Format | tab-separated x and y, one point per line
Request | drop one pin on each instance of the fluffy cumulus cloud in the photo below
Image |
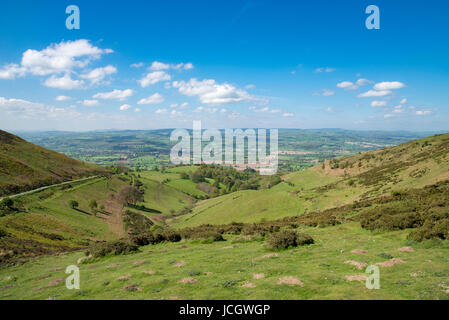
153	99
382	89
211	92
64	83
157	66
125	107
374	93
423	112
179	106
381	86
11	71
63	98
97	75
59	59
90	103
115	94
161	111
377	103
348	85
153	78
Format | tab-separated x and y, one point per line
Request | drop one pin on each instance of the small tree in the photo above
93	205
73	204
6	203
129	195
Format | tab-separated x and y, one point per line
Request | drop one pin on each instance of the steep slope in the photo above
335	183
25	166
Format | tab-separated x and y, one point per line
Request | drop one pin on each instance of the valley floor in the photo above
240	269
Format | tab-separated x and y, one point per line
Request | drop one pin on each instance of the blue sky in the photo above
163	64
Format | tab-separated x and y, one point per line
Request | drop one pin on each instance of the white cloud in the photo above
329	110
374	93
61	58
161	111
381	86
403	101
33	111
11	71
157	66
154	99
388	115
377	103
125	107
210	92
423	112
179	106
115	94
287	114
361	82
153	78
64	83
137	110
250	86
176	113
203	109
328	93
90	103
398	109
137	65
63	98
96	76
264	110
57	59
348	85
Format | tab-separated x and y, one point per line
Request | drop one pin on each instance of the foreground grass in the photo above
221	268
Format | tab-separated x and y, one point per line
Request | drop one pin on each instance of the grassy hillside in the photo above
245	269
25	166
338	182
44	223
387	208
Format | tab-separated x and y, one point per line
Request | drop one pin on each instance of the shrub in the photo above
6	203
3	233
303	239
171	236
73	204
286	239
112	248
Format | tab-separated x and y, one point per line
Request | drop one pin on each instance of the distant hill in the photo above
338	182
25	166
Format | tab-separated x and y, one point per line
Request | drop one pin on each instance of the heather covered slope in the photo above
25	166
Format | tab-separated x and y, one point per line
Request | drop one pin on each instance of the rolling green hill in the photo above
25	166
335	183
387	208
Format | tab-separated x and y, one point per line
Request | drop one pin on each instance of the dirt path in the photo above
115	220
46	187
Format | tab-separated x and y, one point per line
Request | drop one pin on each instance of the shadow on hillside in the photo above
143	208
